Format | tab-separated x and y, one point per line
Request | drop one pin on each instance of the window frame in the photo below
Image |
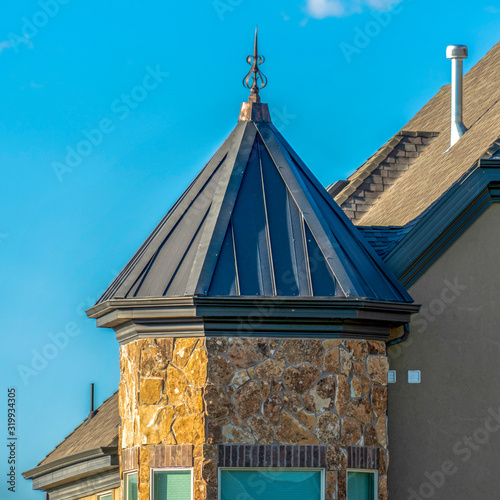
274	469
373	472
100	495
152	470
125	474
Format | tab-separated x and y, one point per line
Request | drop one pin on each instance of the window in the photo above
271	484
172	484
105	496
130	483
361	485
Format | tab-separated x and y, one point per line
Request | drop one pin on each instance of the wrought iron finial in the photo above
259	81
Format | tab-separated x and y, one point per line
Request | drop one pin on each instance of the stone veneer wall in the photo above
211	391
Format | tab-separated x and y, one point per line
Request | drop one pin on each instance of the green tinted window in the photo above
360	485
270	484
172	485
131	486
107	496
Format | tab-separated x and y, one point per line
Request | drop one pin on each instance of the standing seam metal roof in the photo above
256	222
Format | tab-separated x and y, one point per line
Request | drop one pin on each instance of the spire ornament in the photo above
259	80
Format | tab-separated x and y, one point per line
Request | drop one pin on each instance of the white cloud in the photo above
340	8
325	8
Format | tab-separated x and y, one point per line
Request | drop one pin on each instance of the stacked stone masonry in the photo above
327	393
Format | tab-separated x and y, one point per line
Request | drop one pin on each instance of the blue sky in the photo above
109	109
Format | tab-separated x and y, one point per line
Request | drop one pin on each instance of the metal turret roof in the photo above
256	222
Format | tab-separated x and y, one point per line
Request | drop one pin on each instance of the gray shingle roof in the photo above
384	238
256	222
100	432
435	168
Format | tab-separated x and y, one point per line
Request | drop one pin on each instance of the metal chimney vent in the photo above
457	53
93	412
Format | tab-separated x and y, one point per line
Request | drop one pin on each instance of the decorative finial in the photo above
259	81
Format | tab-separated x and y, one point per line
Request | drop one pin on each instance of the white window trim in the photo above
100	495
163	469
125	474
273	469
374	472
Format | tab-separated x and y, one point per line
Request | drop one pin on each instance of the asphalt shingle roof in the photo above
436	168
100	432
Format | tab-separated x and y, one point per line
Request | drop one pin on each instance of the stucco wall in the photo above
450	422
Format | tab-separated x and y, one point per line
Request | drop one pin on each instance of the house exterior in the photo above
431	211
258	322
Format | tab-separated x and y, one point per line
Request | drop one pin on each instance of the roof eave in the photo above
201	316
61	463
445	221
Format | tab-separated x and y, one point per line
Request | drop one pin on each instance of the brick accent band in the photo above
255	455
129	459
362	457
163	455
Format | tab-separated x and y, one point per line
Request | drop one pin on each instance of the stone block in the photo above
379	400
342	395
270	369
298	351
291	431
245	352
351	431
247	399
328	428
220	370
216	402
233	434
301	378
189	430
360	409
377	367
151	390
332	361
345	362
261	429
182	351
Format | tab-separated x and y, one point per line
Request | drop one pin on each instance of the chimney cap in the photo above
457	52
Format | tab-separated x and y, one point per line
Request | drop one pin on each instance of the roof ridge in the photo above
450	166
408	195
382	170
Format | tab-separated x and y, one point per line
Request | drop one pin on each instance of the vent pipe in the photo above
92	411
457	54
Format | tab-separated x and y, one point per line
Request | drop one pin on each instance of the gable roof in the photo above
256	222
435	168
